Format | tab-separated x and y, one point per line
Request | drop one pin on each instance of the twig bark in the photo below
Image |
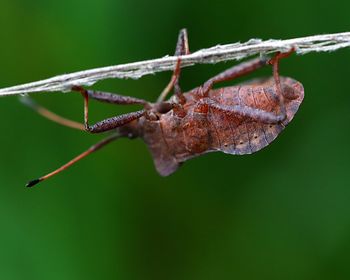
236	51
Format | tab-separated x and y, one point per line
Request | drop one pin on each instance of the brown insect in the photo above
236	120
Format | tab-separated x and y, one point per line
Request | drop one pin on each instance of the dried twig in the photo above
236	51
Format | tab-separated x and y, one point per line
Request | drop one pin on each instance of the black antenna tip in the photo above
33	183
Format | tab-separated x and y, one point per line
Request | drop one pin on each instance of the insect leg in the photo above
244	111
92	149
109	97
182	48
114	122
234	72
182	43
275	64
50	115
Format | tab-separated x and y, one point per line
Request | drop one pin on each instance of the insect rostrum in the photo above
239	119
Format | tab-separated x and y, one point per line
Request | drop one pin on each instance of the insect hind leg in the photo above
233	73
275	64
255	114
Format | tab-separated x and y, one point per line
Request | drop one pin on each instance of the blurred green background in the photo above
282	213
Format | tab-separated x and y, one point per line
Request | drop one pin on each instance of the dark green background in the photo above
282	213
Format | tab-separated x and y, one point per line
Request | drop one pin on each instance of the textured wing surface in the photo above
242	135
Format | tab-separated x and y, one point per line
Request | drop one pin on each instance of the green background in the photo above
282	213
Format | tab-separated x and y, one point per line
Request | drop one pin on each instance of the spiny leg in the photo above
114	122
275	64
244	111
92	149
234	72
182	48
50	115
110	123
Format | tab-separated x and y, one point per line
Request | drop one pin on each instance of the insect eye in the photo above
152	116
164	107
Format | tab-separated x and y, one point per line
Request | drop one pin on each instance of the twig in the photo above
236	51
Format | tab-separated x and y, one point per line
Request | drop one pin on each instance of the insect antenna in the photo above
92	149
29	102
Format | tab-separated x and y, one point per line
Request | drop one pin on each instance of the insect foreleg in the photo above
109	97
107	124
97	95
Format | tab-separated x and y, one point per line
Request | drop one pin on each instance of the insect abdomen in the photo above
241	135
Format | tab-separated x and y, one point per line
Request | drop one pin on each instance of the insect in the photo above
239	119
